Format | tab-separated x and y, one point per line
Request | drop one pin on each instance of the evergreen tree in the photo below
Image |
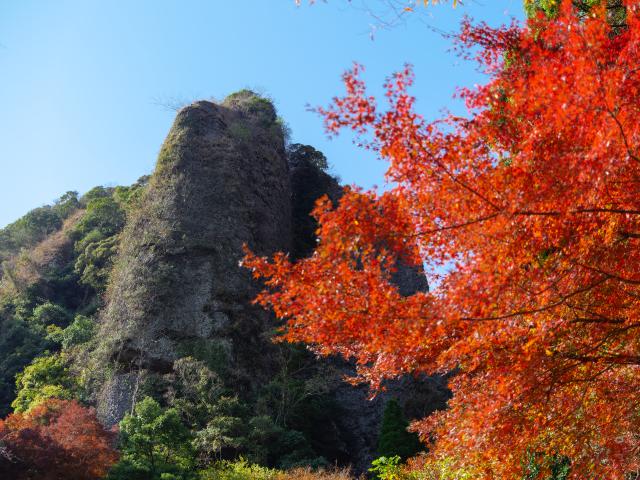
394	438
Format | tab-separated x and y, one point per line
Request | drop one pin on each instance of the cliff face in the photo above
221	181
224	179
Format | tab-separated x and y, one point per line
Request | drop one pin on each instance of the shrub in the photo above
239	470
51	314
80	331
154	442
387	468
242	470
47	377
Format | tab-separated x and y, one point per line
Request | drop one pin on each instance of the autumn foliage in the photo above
527	215
54	440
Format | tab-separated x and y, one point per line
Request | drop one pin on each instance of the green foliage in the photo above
51	314
103	215
297	399
155	444
81	330
66	205
212	353
309	182
307	154
94	194
129	197
253	103
548	7
196	391
387	468
46	377
394	439
95	262
20	343
239	470
221	433
270	444
284	129
53	274
558	467
29	230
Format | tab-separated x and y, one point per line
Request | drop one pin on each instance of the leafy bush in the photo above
95	262
239	470
80	331
387	468
66	205
154	442
546	467
104	215
46	377
51	314
28	230
242	470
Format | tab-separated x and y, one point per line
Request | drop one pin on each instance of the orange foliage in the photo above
57	439
528	214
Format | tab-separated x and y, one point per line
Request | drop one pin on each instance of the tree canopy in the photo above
526	212
57	439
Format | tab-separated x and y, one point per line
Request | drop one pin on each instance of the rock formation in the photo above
224	179
221	181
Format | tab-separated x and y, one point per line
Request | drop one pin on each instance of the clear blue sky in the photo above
82	79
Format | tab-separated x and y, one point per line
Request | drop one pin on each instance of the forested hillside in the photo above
132	300
55	267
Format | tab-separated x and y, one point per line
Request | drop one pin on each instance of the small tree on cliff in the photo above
155	444
531	207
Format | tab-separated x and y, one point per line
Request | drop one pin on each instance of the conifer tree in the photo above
394	438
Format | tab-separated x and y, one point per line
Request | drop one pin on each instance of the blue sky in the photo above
83	81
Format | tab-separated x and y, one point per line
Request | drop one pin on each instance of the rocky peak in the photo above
221	181
224	179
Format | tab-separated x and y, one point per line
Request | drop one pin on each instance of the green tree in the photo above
28	230
104	215
80	331
19	345
46	377
299	153
394	438
95	261
217	419
66	204
50	313
129	197
155	445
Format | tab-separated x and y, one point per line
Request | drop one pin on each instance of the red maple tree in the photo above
54	440
527	213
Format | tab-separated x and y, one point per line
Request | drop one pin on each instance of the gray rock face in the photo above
221	181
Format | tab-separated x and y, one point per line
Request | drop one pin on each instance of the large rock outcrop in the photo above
221	181
224	179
